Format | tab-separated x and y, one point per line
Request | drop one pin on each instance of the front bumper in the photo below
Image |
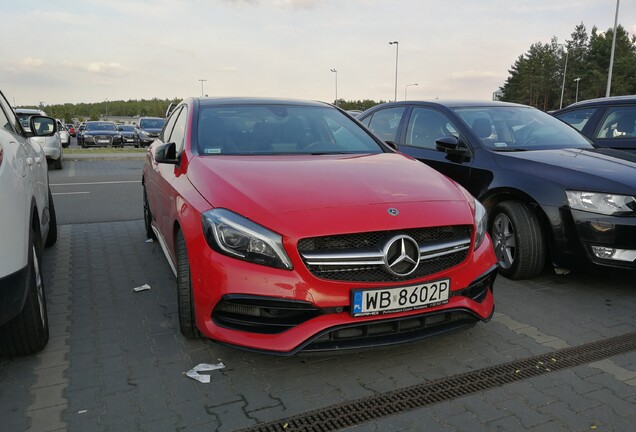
607	240
325	322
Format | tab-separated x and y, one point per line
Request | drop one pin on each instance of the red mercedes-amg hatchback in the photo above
290	227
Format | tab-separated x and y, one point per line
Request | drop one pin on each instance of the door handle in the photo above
29	161
38	160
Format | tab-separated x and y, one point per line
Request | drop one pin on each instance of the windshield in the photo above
501	128
102	126
126	128
280	129
151	123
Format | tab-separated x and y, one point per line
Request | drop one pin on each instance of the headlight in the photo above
87	136
233	235
481	223
143	132
602	203
480	216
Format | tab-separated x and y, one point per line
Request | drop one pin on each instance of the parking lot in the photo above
117	362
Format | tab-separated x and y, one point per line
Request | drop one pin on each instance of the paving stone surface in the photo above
116	360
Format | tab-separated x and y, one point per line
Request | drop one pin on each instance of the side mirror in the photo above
42	126
167	153
451	145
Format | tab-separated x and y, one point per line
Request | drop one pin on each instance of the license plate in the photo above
103	141
401	299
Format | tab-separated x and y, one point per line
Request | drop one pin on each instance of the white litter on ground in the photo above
203	367
149	241
144	287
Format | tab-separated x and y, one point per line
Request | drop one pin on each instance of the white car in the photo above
65	136
27	224
51	143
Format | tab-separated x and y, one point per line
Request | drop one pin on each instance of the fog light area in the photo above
608	253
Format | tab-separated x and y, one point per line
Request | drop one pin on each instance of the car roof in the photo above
456	103
28	111
257	101
603	101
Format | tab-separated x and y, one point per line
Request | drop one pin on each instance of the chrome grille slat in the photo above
360	256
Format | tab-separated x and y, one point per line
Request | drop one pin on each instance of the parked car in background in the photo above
129	134
51	143
101	134
550	195
314	234
79	131
28	224
608	122
65	136
149	128
71	129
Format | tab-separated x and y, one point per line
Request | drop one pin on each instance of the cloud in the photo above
55	17
226	69
473	74
297	4
109	69
31	63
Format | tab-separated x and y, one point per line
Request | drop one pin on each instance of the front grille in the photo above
360	257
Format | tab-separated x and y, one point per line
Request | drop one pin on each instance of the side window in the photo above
619	122
7	122
385	123
164	136
426	125
577	118
178	132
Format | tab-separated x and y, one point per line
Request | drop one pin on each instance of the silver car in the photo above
51	144
65	136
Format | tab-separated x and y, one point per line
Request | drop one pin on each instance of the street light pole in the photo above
336	72
397	47
202	81
406	87
611	65
565	70
576	99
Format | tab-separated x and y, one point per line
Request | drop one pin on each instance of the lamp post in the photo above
565	69
611	65
576	99
406	87
397	47
202	81
336	72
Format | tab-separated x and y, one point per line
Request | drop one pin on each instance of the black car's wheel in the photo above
185	304
148	218
51	238
28	332
517	239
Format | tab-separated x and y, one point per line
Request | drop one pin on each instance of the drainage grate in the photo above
360	411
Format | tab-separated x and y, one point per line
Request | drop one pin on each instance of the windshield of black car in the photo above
102	126
504	128
151	123
280	129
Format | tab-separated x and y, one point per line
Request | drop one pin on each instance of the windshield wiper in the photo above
507	149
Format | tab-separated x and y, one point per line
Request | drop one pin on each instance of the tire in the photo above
185	304
148	218
57	163
517	239
28	332
51	238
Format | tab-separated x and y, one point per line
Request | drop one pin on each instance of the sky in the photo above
59	51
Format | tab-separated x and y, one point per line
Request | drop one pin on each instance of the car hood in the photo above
586	169
297	189
151	130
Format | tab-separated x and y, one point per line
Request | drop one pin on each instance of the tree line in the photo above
536	78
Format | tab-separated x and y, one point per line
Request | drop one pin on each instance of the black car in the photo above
609	122
101	134
551	196
149	128
129	134
79	131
